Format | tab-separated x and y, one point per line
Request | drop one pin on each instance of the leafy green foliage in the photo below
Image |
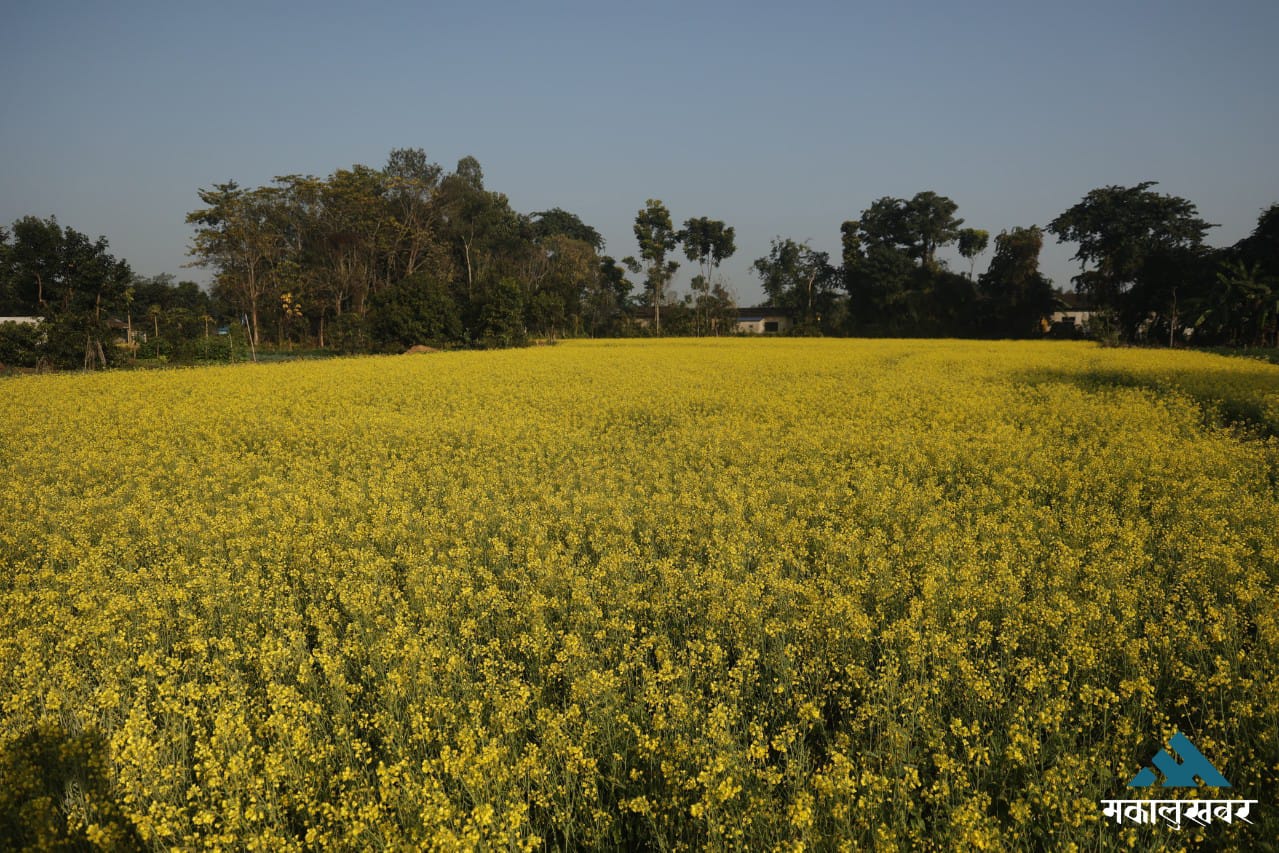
917	227
502	316
972	242
340	260
1244	306
1261	247
558	221
657	238
798	277
415	310
20	344
895	284
605	298
1117	228
237	236
932	223
328	262
73	282
1017	297
708	242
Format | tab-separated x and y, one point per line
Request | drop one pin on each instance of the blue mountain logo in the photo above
1180	774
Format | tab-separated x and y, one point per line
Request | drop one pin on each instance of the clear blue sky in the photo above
780	120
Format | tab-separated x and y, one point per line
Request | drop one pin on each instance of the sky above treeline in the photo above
780	120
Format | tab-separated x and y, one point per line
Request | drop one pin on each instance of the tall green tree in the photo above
567	268
708	242
489	241
7	296
35	260
917	227
796	276
417	309
932	224
605	298
1240	302
1016	297
557	221
894	281
972	242
412	184
1243	307
657	238
502	315
298	268
358	235
74	282
1116	228
237	236
1261	247
878	271
886	223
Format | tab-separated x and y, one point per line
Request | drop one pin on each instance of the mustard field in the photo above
730	594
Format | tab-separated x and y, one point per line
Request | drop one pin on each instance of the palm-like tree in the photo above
1245	301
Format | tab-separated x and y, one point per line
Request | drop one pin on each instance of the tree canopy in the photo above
1018	297
72	281
657	238
796	276
1116	228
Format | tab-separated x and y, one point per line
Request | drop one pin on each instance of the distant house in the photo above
749	321
642	317
126	334
1077	317
764	321
1071	323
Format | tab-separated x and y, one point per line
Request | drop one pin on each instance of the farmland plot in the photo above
774	594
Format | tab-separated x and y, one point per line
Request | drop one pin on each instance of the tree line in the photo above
368	260
87	300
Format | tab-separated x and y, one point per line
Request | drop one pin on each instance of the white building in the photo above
763	321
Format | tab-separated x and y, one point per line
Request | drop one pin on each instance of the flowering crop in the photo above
768	594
